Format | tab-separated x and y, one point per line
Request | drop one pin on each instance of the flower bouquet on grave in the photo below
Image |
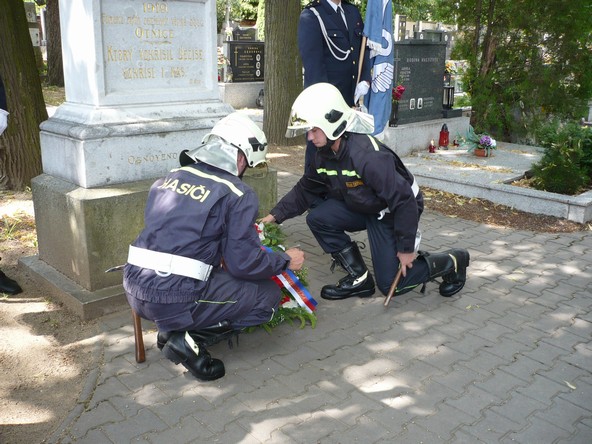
479	144
396	94
297	304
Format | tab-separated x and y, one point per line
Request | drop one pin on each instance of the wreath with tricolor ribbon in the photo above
297	303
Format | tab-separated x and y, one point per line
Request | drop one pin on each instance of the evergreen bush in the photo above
566	165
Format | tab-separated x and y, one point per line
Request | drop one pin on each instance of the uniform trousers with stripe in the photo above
243	303
330	219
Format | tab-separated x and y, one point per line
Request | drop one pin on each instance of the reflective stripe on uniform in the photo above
374	144
327	172
229	184
347	173
165	264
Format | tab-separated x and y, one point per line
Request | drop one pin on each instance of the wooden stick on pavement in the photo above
393	287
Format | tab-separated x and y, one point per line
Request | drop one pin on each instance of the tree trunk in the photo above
55	66
283	68
489	43
20	154
478	8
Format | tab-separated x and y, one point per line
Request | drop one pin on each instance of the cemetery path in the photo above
47	353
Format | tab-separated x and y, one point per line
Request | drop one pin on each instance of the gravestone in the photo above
141	86
244	34
246	61
437	35
245	69
419	67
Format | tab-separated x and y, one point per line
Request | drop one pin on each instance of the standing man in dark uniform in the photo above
356	183
198	269
330	42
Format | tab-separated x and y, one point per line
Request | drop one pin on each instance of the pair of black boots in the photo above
188	348
451	266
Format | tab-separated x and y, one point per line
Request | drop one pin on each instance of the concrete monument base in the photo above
240	94
412	137
83	303
83	232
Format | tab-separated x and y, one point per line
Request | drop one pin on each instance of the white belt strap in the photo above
165	264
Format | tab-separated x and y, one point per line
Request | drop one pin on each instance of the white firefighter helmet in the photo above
321	105
234	132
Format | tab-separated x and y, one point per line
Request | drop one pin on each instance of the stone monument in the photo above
246	61
419	67
141	86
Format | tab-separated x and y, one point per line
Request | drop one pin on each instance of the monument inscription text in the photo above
153	44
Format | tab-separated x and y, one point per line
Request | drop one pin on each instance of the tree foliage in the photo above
20	154
528	60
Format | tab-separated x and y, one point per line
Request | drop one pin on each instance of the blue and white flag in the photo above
378	29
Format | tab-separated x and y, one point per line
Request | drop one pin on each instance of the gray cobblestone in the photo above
490	427
505	360
537	431
144	422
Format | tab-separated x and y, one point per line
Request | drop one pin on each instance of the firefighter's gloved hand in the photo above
362	89
3	120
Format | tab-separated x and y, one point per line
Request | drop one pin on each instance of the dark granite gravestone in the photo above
419	67
246	61
437	35
244	34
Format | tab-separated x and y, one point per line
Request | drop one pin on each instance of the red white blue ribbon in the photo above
288	280
301	295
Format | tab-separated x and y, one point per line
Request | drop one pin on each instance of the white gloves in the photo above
362	89
3	120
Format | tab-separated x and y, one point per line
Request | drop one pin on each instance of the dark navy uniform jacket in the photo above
3	104
368	177
203	213
320	65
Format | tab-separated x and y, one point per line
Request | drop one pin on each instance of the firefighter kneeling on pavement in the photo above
197	270
356	183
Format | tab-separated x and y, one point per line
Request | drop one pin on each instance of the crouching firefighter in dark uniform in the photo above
357	183
197	269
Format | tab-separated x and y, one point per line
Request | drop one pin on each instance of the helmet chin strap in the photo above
327	146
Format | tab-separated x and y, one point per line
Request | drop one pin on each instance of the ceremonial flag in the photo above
378	29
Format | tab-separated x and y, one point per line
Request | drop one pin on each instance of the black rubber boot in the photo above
222	331
9	286
207	336
162	337
182	349
451	265
358	282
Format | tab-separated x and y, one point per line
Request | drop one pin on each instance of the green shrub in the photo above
566	165
462	101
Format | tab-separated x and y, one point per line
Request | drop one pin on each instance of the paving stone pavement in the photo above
507	360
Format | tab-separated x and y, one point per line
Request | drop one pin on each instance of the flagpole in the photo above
360	63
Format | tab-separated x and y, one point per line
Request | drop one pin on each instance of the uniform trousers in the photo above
330	219
243	303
